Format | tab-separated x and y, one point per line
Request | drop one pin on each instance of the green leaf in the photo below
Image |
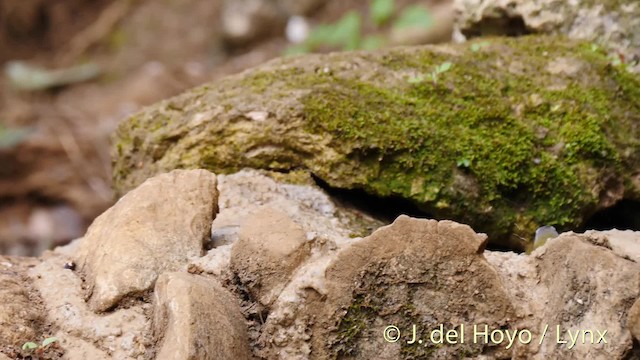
348	29
443	67
345	33
322	35
372	42
414	16
29	346
381	11
463	163
12	137
49	340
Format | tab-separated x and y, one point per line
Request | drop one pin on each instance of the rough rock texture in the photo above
196	318
427	273
269	247
338	300
633	321
611	23
83	334
365	121
578	283
155	228
21	312
413	272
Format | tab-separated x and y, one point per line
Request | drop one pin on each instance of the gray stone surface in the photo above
612	24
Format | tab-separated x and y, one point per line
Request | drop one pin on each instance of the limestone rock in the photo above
196	318
154	228
610	23
343	294
378	122
249	193
410	272
83	334
572	284
587	287
269	248
633	320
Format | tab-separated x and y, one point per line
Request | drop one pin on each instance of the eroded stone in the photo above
196	318
154	228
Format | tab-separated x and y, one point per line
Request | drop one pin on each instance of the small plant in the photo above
39	349
444	67
381	11
346	33
463	163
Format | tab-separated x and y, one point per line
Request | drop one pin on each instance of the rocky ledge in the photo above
191	265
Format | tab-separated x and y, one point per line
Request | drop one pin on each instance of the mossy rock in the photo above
519	132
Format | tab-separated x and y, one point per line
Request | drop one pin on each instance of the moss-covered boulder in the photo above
516	133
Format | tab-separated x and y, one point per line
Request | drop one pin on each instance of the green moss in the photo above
352	324
519	133
408	133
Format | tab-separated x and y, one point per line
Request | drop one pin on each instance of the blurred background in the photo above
72	69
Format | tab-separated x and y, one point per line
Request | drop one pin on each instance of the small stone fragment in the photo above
196	318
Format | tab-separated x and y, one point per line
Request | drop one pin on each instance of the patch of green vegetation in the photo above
414	16
469	121
381	11
359	315
442	68
347	32
39	349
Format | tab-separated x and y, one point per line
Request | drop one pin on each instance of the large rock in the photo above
518	133
413	272
428	273
155	228
611	23
339	298
196	318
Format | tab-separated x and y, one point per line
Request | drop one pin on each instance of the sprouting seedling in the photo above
31	346
433	75
475	47
463	163
445	66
